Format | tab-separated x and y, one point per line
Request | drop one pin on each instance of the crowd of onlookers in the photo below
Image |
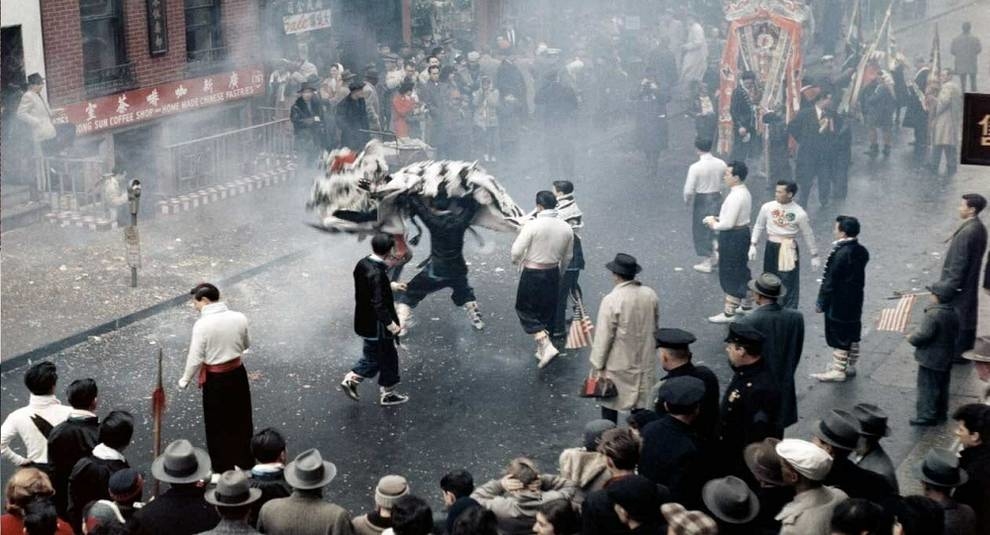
74	477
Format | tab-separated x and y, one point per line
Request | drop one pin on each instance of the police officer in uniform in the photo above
751	403
675	359
672	453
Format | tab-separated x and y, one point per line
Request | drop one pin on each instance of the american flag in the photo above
896	319
580	334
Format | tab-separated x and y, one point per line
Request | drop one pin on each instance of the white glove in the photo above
752	252
815	262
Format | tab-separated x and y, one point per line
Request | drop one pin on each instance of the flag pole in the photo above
157	409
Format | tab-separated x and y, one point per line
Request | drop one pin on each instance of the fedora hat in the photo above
181	463
35	79
839	429
941	469
309	471
306	87
731	500
233	490
980	351
763	461
872	420
768	285
624	265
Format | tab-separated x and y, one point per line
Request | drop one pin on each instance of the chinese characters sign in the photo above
149	103
157	32
305	22
976	130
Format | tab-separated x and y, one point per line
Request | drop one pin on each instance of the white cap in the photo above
473	56
805	458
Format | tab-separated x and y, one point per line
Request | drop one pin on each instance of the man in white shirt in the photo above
732	224
219	339
34	422
702	190
543	249
783	219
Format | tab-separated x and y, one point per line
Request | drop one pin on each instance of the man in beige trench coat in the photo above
625	346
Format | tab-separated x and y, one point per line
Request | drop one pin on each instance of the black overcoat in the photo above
782	347
961	268
374	305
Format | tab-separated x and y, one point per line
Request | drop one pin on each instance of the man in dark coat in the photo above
751	403
838	433
869	453
557	105
961	269
916	116
974	435
935	344
675	359
268	475
182	509
376	321
90	477
447	220
783	329
814	129
743	112
352	118
308	124
671	453
73	439
840	298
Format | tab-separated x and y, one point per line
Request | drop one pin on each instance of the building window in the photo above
204	44
104	56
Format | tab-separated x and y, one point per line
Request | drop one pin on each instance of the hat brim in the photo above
975	357
920	474
885	433
755	289
828	440
620	270
211	498
329	473
202	472
708	493
749	456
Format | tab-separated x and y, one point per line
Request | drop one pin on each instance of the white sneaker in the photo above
831	376
704	267
722	318
547	353
474	314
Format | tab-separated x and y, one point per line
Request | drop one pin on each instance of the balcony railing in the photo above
206	61
100	82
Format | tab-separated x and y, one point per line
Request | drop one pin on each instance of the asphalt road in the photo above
477	399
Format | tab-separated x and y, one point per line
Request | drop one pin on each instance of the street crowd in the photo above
690	456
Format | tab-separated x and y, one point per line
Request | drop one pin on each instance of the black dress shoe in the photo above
922	422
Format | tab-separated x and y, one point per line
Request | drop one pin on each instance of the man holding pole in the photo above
219	340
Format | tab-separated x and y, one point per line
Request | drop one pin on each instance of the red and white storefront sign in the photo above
148	103
305	22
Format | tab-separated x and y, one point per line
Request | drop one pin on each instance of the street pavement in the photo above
477	399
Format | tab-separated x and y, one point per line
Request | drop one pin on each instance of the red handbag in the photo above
598	386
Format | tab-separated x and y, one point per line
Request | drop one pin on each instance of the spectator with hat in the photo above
637	504
232	497
305	512
764	464
90	477
732	504
389	489
621	448
783	331
672	453
805	467
126	490
869	454
308	124
182	509
351	117
751	403
973	425
980	356
935	346
939	474
676	360
625	339
680	521
585	465
838	434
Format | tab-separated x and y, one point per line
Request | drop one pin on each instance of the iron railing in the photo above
70	183
100	82
216	159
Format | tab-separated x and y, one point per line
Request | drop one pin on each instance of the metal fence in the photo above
222	157
71	183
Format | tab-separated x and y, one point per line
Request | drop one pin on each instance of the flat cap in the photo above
740	332
683	390
805	458
674	338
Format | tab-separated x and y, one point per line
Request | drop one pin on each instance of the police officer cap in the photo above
683	390
674	338
740	332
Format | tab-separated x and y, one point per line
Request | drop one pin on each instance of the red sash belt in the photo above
223	367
